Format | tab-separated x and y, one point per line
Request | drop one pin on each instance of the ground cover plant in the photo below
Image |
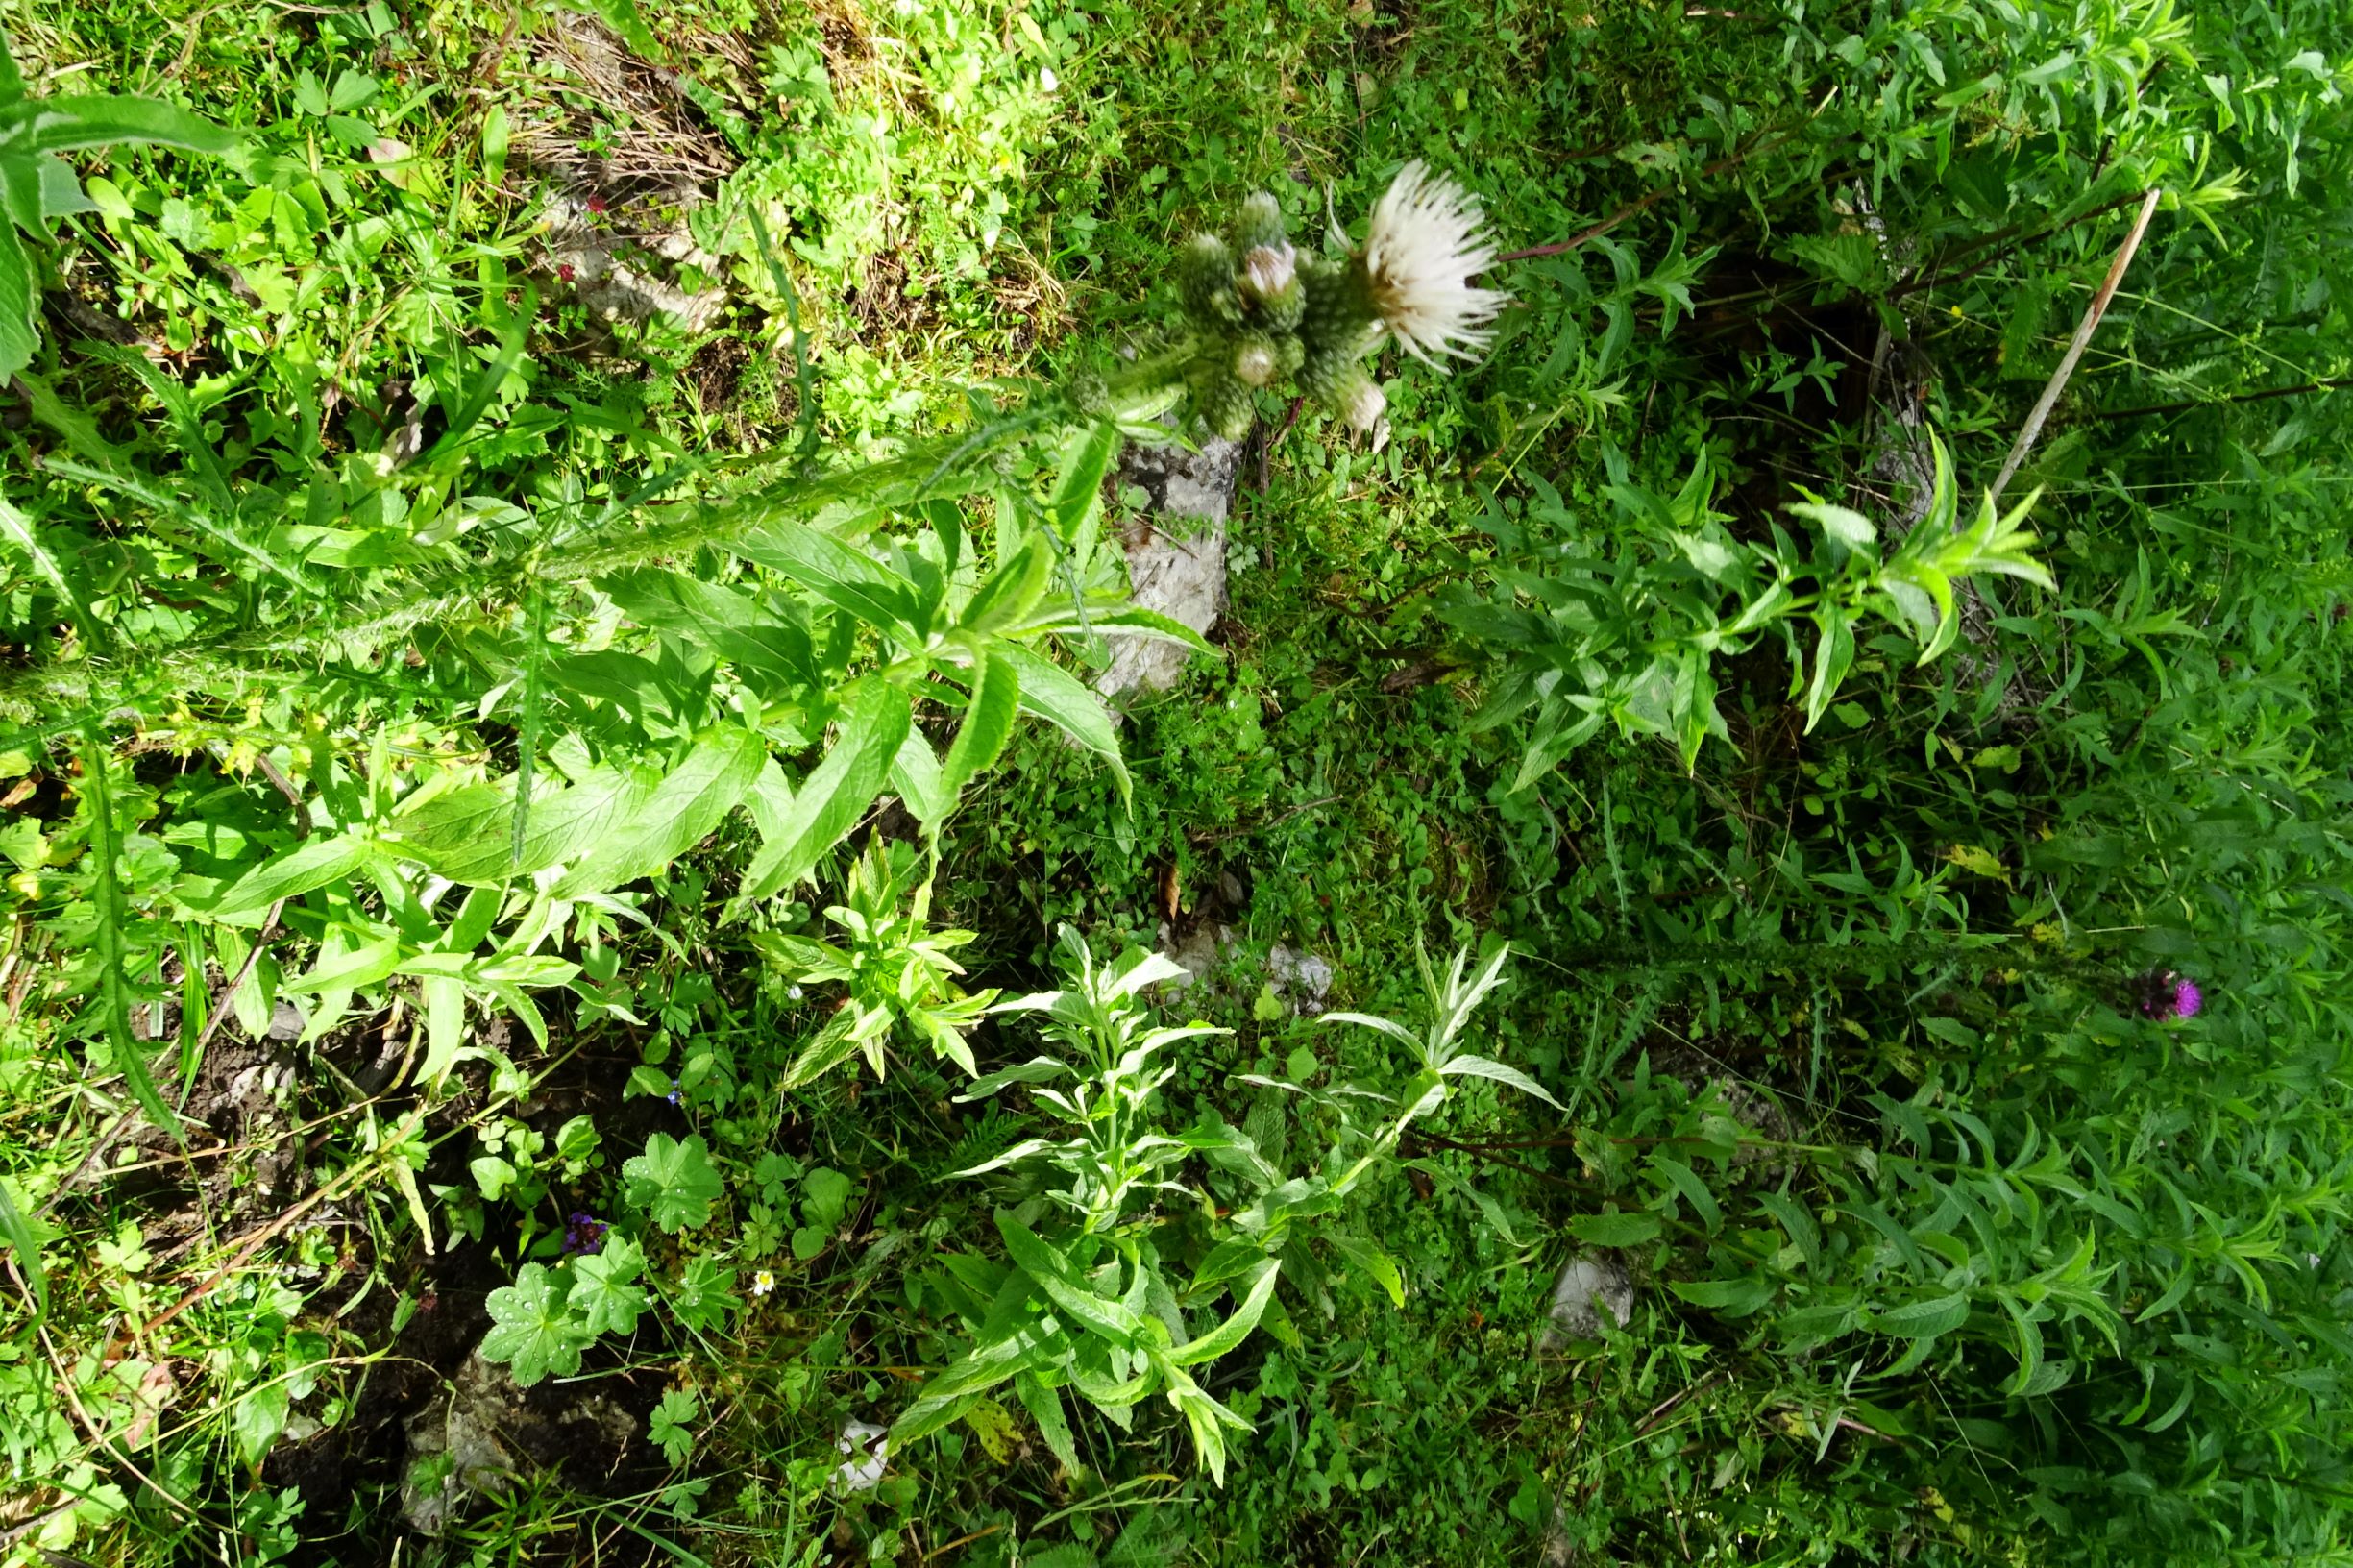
1728	952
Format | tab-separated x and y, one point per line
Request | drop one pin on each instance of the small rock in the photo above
285	1021
1176	561
1306	977
1588	1286
1200	955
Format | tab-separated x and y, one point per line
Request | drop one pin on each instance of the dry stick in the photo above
2334	385
2057	383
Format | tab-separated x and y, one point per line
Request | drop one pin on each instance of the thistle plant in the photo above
1261	311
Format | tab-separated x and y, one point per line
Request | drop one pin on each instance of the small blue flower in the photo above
675	1095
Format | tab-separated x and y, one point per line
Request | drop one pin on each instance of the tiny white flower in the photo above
1047	80
1429	240
762	1283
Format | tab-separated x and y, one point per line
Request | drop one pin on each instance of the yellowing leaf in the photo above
1980	861
993	1426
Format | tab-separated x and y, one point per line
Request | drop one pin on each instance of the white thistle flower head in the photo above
1254	363
1365	407
1267	270
1429	240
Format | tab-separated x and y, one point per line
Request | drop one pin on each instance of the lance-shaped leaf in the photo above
835	795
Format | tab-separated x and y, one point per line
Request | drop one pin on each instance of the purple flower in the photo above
2187	998
584	1232
675	1094
2161	993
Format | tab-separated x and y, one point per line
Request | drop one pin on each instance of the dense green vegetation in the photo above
583	948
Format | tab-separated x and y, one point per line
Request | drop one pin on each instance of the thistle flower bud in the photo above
1261	224
1339	383
1255	361
1268	270
1224	408
1204	270
1337	316
1091	394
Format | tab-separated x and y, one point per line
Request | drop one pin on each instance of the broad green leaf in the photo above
1920	1319
1849	530
1388	1027
1620	1230
988	723
670	1427
465	834
1230	1333
987	1365
55	124
114	983
368	965
673	1183
730	624
14	524
311	864
531	1329
1832	659
835	573
604	1291
1044	1406
18	340
915	773
1064	700
258	1419
836	795
1053	1274
1733	1298
445	1030
1077	502
679	814
1372	1261
19	1236
1686	1182
1011	592
1480	1066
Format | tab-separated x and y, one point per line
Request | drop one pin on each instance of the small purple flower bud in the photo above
2187	998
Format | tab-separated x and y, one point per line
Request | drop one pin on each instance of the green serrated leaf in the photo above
673	1183
531	1329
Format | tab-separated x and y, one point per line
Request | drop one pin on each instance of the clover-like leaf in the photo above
672	1183
604	1295
532	1329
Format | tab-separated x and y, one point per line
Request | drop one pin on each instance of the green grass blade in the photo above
18	1234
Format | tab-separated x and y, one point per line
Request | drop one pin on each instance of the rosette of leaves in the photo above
895	969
